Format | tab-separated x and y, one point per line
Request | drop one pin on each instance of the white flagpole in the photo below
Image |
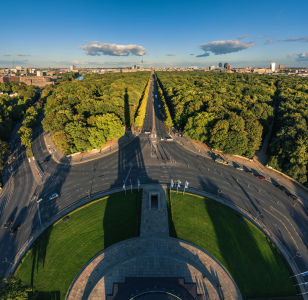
124	187
131	186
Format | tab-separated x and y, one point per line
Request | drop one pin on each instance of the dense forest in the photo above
82	115
289	143
12	111
230	112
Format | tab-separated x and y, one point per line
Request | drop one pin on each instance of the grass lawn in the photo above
254	262
54	260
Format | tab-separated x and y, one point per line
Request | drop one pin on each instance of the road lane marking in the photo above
291	225
128	174
284	227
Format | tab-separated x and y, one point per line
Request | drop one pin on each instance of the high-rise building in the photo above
281	67
273	66
72	68
220	65
226	65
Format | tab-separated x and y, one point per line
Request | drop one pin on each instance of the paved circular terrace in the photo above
153	257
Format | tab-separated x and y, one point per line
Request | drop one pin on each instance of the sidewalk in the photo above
79	158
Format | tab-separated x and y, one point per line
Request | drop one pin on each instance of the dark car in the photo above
8	224
260	177
282	188
47	158
14	229
249	172
275	184
294	197
288	193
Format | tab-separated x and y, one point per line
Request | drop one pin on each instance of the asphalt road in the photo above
151	159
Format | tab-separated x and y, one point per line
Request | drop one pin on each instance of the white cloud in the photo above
6	55
243	36
99	48
290	55
224	47
17	54
171	54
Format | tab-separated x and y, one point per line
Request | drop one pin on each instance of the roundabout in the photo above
153	162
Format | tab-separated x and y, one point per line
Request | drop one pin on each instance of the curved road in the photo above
151	159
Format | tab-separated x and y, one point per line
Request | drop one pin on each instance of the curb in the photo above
23	249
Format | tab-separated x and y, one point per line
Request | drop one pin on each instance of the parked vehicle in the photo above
260	177
239	168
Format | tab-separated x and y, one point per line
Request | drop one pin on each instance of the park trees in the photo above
230	112
82	115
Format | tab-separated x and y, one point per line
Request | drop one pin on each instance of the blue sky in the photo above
165	33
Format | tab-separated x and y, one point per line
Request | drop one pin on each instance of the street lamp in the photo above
6	260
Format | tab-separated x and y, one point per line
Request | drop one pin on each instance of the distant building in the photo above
229	67
281	67
41	73
72	68
220	65
273	66
226	65
212	68
18	68
9	79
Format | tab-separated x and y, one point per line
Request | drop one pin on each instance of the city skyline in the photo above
172	34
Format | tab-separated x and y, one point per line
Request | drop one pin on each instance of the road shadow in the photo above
127	114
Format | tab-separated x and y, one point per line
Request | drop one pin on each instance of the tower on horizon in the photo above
273	66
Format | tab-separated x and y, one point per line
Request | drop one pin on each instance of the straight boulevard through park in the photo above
150	157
